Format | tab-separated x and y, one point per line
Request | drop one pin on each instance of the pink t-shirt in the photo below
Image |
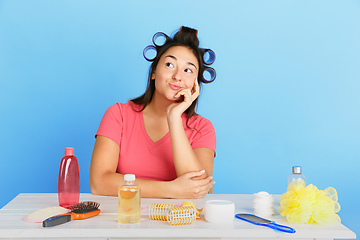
141	156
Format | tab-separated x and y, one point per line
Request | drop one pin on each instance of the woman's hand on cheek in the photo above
185	97
196	90
186	186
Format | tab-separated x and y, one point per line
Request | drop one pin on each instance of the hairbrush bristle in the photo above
84	207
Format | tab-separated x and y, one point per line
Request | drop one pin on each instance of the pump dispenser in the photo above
296	175
69	180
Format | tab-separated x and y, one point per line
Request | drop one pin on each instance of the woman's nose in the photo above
177	75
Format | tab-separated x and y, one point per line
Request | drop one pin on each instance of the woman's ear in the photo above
153	75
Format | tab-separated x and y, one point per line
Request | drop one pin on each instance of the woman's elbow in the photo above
94	188
102	185
97	185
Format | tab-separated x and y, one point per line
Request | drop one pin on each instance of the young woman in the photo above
158	136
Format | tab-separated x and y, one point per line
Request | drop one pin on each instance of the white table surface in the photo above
105	225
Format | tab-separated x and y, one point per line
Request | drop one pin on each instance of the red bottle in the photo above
69	179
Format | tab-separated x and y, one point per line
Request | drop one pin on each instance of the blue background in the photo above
286	93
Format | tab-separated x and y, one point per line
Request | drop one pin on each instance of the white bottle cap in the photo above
296	169
219	211
129	177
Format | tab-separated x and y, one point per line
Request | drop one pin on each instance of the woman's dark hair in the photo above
186	37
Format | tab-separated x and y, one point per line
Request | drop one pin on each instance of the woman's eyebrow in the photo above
173	57
190	63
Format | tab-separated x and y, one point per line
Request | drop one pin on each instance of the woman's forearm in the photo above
185	159
108	185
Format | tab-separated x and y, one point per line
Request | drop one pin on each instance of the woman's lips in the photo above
174	86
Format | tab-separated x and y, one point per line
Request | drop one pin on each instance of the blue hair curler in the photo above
150	53
209	75
159	39
209	57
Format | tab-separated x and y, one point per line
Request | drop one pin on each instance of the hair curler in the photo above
159	39
150	53
209	56
172	214
209	75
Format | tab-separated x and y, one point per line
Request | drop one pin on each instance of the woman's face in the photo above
177	69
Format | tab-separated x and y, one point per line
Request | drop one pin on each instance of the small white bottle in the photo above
296	175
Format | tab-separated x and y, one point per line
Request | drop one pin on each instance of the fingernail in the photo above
202	171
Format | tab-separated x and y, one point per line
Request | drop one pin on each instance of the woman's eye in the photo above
188	70
169	64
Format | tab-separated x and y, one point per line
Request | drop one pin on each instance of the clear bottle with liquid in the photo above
296	175
129	201
69	180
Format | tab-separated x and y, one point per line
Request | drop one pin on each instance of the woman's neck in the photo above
158	106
